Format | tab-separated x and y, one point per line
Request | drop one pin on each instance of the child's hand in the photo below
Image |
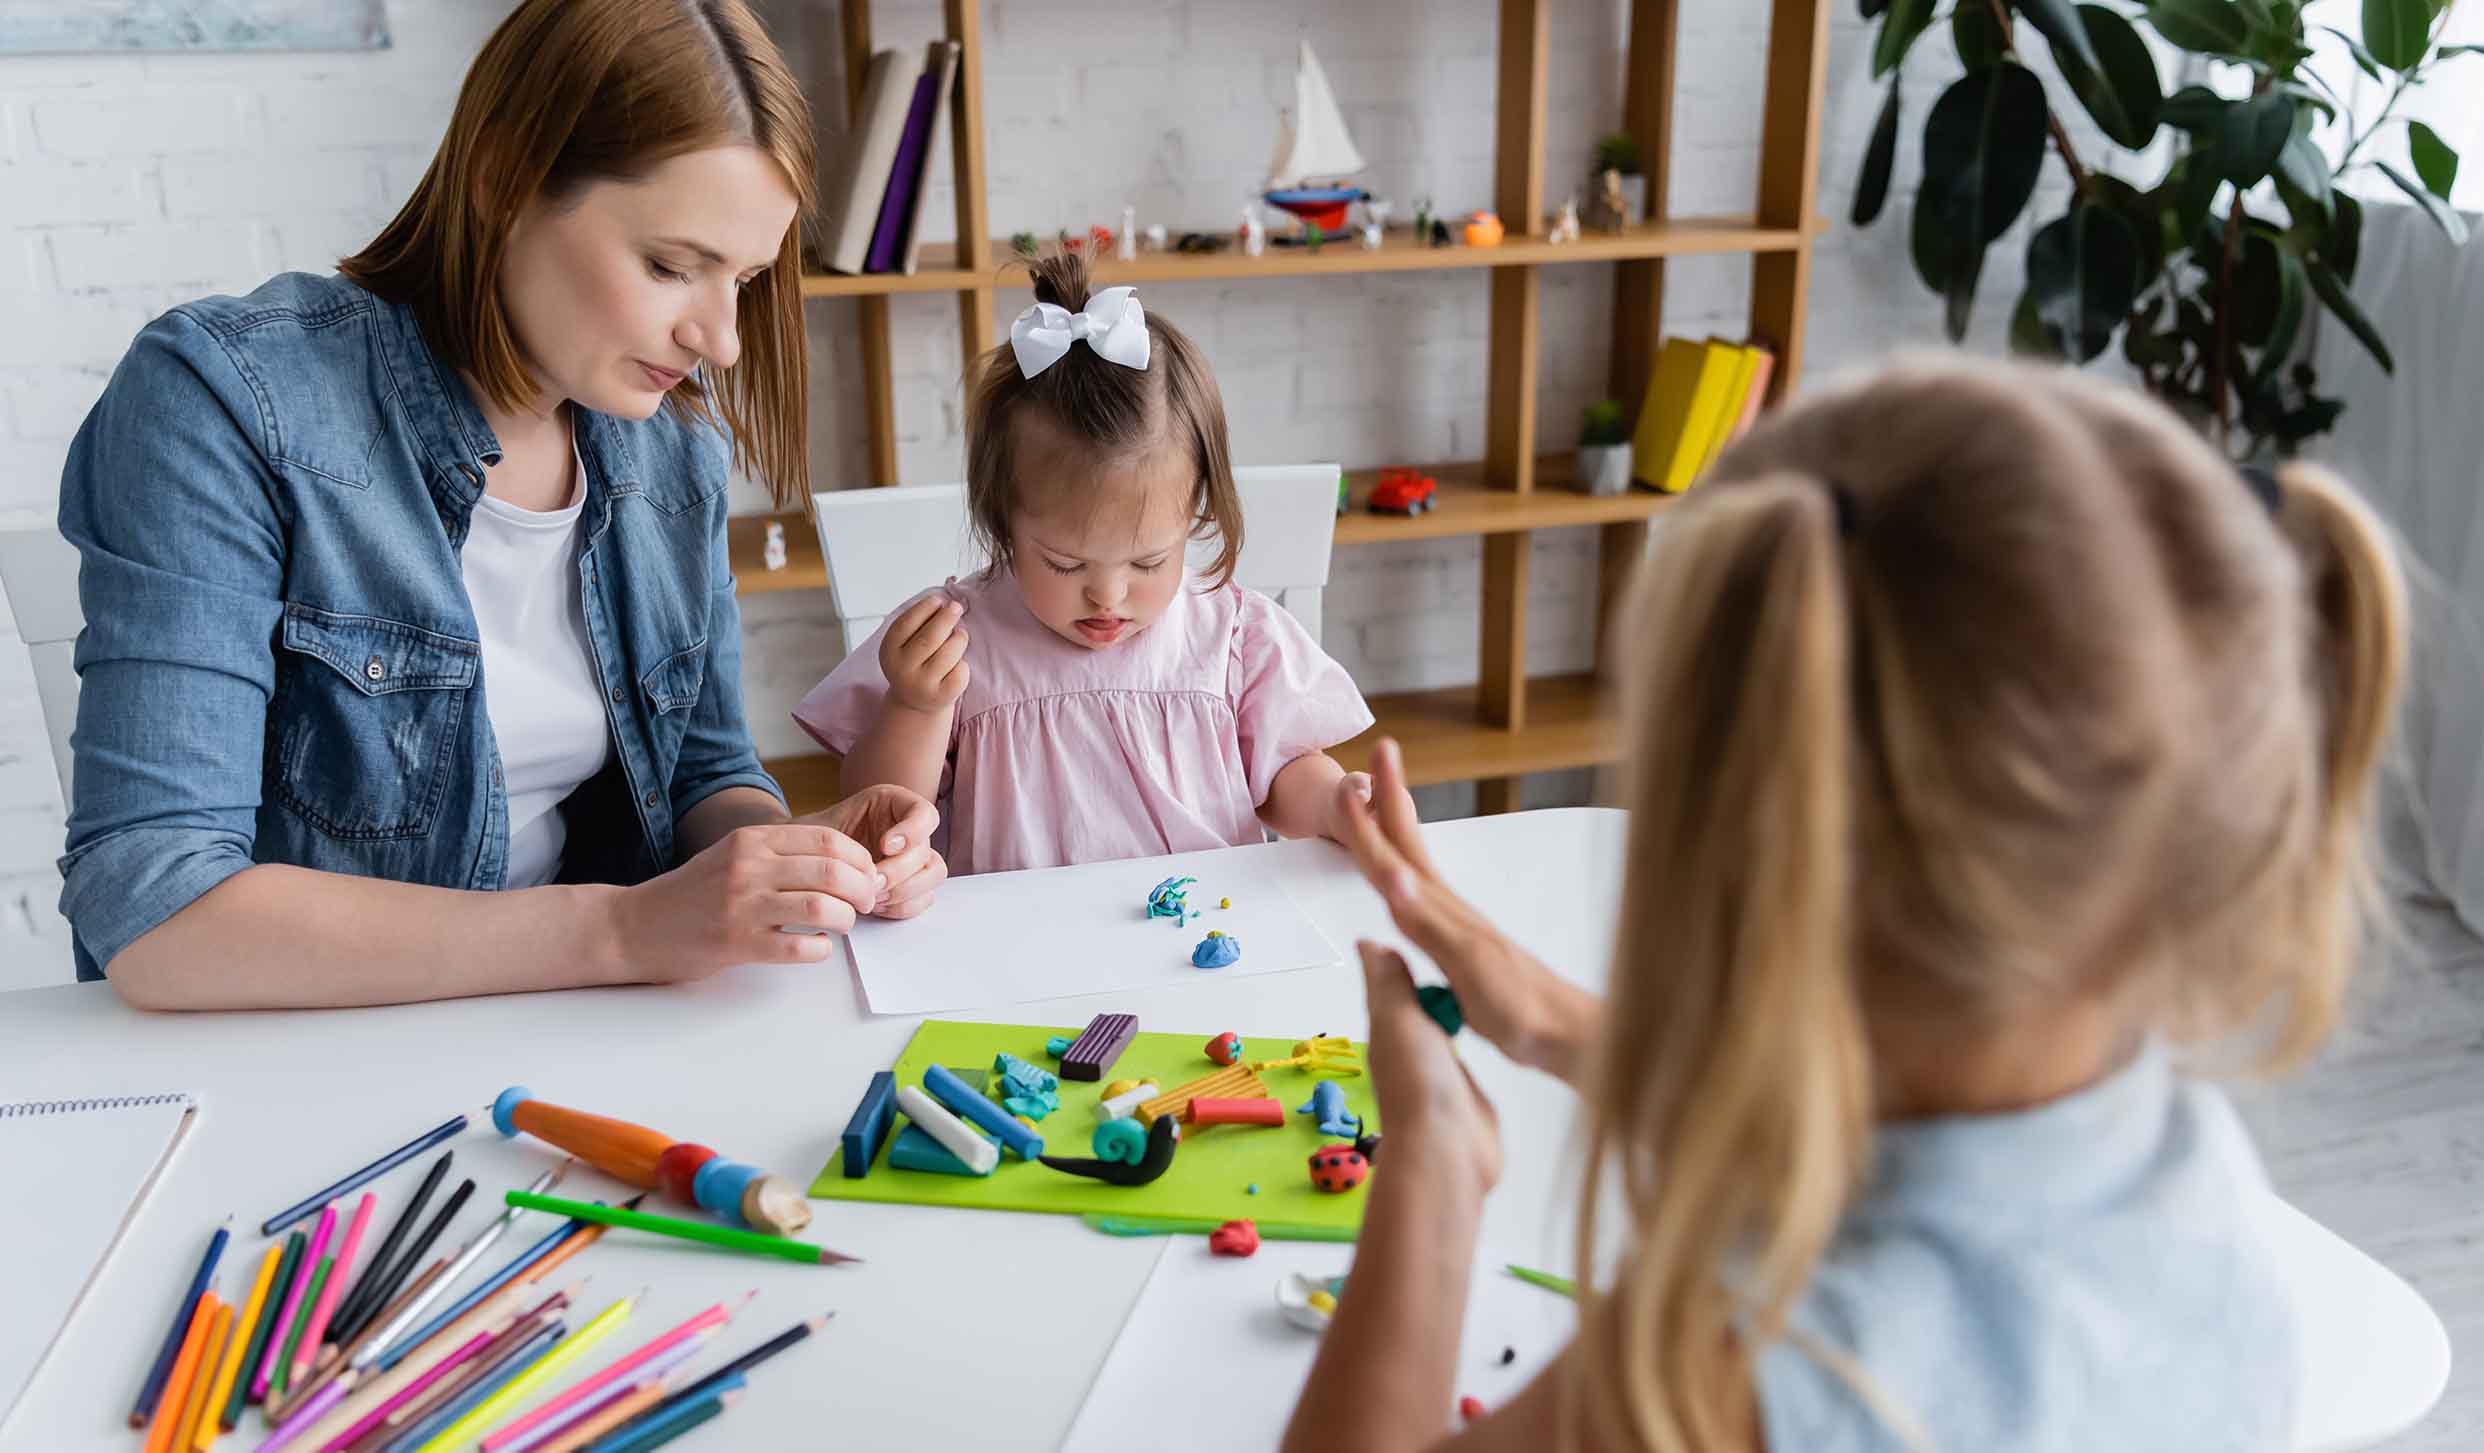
923	655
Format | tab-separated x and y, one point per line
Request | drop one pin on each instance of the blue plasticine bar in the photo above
915	1150
869	1126
953	1092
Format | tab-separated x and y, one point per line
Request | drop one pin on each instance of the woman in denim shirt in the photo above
311	518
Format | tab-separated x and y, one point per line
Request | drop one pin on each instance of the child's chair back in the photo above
883	546
39	571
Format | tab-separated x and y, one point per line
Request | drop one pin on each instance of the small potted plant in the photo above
1604	449
1617	152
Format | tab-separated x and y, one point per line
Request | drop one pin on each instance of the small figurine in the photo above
1023	244
1127	248
1100	237
1406	492
1440	233
1328	1108
1216	951
1483	229
1422	219
1157	1160
1312	237
1225	1048
1334	1168
1613	209
1234	1238
1565	221
773	554
1254	233
1156	236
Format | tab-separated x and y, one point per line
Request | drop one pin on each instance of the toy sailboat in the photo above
1312	143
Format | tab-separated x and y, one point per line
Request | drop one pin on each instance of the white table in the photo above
963	1328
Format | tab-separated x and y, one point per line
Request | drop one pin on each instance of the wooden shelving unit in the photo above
1506	724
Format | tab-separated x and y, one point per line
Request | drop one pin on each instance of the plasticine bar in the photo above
1095	1049
979	1154
869	1126
955	1093
913	1150
1126	1103
1205	1111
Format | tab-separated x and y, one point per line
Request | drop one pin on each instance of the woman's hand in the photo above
1429	1105
1508	996
727	905
896	824
924	655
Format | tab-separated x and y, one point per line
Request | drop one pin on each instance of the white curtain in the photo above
2415	444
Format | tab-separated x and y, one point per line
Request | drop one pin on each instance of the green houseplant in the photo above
1618	151
1604	449
2206	273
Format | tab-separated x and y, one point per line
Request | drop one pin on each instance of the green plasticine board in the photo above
1209	1171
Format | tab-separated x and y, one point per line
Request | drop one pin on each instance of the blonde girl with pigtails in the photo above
1999	764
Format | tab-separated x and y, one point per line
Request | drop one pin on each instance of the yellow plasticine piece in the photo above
1327	1055
1321	1301
1119	1088
1234	1083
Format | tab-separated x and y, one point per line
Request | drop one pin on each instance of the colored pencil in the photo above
1546	1280
412	1315
387	1291
373	1386
658	1372
541	1371
728	1237
467	1398
236	1342
653	1348
518	1266
317	1332
440	1371
598	1421
357	1179
152	1390
1115	1224
251	1331
521	1340
203	1380
375	1275
746	1361
176	1390
332	1360
272	1358
659	1428
286	1362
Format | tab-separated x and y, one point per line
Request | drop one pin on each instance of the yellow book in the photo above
1729	403
1680	410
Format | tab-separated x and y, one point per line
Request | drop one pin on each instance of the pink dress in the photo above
1165	743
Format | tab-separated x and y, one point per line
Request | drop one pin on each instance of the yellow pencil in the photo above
236	1350
546	1367
195	1401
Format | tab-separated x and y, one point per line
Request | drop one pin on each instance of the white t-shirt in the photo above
539	683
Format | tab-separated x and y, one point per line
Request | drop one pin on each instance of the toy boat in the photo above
1312	142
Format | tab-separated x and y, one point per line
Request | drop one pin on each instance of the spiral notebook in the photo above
101	1158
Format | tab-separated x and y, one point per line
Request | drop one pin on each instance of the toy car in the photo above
1402	492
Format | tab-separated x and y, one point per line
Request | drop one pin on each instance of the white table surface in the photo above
962	1328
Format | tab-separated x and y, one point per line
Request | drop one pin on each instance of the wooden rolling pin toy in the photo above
691	1174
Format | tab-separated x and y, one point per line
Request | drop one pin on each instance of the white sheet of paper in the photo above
1046	933
1204	1311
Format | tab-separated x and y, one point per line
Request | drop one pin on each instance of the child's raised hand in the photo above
924	655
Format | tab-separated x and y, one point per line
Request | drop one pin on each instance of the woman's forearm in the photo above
1387	1369
276	936
718	813
904	747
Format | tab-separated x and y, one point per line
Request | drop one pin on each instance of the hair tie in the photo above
1113	325
1847	513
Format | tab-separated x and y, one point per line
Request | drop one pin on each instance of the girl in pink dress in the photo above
1089	696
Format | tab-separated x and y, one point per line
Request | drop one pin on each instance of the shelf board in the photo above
1464	506
1680	237
1572	721
747	535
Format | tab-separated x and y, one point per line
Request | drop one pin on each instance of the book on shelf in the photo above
901	200
851	203
943	60
1703	395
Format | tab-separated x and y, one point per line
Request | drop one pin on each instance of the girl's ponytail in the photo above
1750	1104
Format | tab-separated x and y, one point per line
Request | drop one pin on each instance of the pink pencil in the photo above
655	1370
714	1316
317	1332
293	1303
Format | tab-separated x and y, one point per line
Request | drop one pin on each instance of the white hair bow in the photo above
1113	325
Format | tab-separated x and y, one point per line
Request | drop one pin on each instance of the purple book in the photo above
888	235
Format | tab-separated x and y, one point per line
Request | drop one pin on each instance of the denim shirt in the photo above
280	663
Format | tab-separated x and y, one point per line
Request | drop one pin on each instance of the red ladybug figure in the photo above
1226	1048
1336	1168
1235	1238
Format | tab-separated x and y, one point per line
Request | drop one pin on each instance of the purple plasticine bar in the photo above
1102	1042
869	1126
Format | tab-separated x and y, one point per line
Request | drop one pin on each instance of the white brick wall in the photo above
128	183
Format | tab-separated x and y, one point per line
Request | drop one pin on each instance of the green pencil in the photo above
1117	1225
724	1236
310	1298
259	1331
1546	1280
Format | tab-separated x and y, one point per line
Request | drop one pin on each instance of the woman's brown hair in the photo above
1105	408
568	92
1961	694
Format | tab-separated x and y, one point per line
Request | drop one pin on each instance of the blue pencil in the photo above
658	1426
457	1407
153	1390
371	1172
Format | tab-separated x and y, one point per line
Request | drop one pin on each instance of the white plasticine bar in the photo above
1125	1104
980	1155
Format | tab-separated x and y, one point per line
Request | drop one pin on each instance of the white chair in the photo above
39	571
883	546
2371	1356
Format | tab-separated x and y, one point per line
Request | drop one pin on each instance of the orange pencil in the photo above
610	1416
203	1380
220	1386
168	1409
